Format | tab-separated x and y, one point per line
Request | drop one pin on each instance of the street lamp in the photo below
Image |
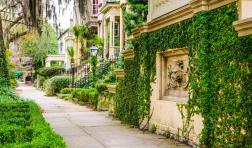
72	68
94	50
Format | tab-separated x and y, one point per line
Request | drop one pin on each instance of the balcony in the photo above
161	7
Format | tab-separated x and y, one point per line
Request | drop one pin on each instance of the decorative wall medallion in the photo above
177	76
172	72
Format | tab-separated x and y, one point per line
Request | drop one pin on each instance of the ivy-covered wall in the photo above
220	76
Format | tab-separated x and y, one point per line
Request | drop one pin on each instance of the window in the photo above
95	7
117	34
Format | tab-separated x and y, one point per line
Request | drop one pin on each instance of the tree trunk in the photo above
4	73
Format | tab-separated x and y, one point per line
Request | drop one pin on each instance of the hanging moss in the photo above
220	76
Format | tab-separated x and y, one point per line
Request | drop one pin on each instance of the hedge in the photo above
67	90
22	124
55	84
49	72
86	95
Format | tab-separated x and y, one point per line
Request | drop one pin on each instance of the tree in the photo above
70	52
13	12
39	46
135	15
81	32
29	14
97	41
4	75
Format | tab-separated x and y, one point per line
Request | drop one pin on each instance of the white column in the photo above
245	9
150	9
111	37
105	31
121	31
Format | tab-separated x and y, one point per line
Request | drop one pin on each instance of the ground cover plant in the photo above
22	124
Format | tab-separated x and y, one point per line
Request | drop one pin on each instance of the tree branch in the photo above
17	36
14	23
10	6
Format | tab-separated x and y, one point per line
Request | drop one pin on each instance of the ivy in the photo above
219	79
125	103
4	70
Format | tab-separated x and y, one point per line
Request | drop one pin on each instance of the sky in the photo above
64	13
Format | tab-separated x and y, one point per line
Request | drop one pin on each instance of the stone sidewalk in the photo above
84	128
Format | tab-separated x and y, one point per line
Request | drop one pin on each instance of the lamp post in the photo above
72	68
94	52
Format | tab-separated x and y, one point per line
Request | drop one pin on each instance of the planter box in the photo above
119	73
112	88
128	54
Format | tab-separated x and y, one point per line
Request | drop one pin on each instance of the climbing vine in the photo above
219	79
4	72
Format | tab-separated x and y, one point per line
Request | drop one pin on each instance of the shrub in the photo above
65	96
76	92
83	95
86	95
93	97
6	94
40	81
110	77
67	90
56	83
49	72
101	87
153	128
13	81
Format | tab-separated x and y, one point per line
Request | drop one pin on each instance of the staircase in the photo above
86	76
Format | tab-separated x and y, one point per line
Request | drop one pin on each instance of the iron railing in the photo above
82	75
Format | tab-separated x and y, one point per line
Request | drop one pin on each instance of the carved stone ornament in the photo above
177	76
